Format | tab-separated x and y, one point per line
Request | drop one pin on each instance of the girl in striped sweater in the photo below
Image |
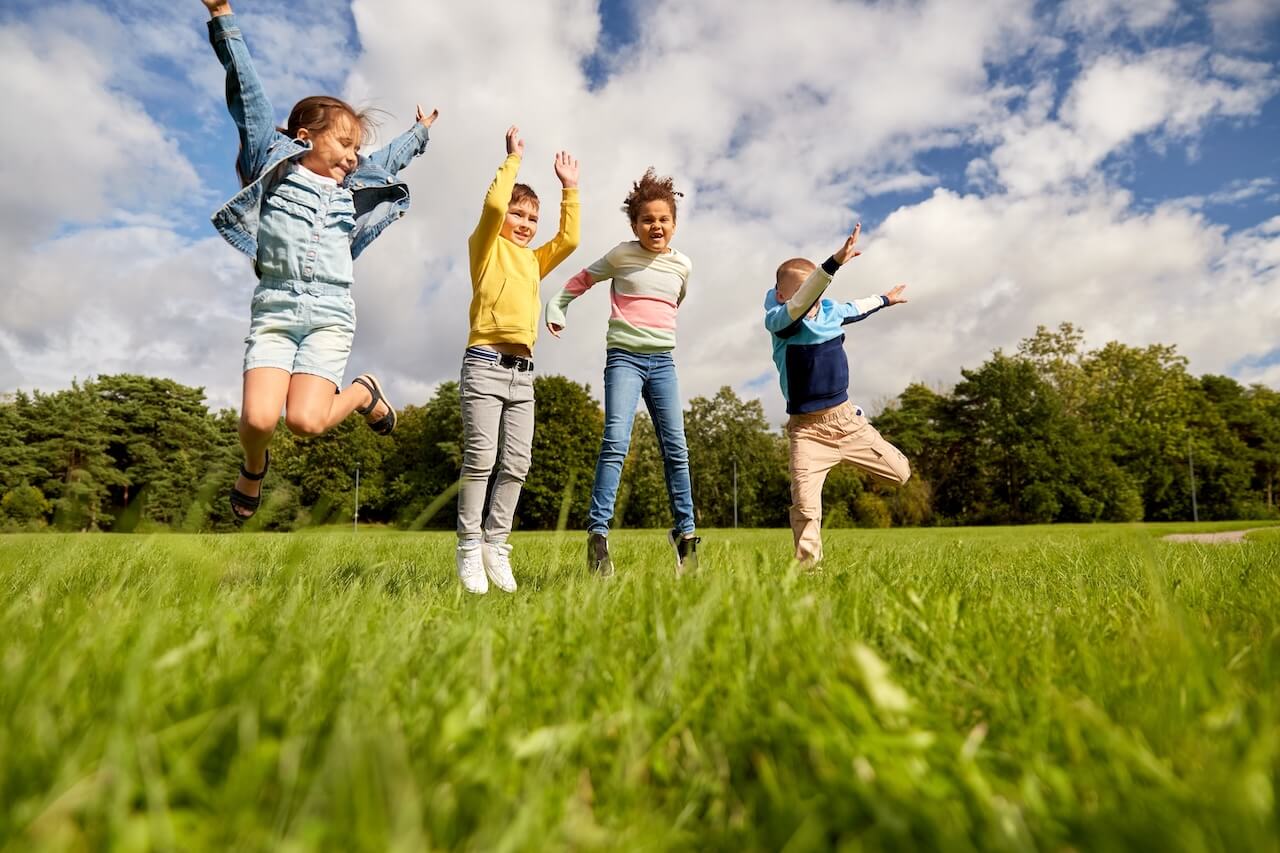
649	281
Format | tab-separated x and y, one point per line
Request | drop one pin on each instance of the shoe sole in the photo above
499	584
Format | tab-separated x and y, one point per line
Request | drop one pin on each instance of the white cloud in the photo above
1172	92
126	300
779	127
1102	17
1241	24
76	148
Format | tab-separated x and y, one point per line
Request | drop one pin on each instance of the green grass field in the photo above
1065	688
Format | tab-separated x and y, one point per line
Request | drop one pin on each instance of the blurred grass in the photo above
1083	688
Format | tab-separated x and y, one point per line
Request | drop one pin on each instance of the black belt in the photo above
513	362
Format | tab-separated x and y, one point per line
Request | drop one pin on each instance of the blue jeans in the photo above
627	377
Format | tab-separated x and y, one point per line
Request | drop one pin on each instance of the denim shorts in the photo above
301	327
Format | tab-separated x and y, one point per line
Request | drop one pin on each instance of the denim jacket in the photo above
265	152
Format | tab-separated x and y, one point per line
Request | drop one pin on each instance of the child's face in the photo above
654	225
333	150
521	223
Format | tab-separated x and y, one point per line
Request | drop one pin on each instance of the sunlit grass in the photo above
1001	688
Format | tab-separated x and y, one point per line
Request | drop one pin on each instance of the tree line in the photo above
1049	433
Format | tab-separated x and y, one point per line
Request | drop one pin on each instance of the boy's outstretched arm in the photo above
399	152
246	99
554	251
861	309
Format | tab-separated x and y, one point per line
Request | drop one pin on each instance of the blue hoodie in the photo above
809	351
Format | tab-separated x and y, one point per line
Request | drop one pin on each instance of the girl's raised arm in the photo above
399	152
246	100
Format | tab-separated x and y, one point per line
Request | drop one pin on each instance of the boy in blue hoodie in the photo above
824	429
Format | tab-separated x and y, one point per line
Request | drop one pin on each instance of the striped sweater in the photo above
646	291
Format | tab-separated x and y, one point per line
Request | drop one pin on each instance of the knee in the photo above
801	513
304	424
902	469
258	423
614	447
676	454
513	474
478	462
514	467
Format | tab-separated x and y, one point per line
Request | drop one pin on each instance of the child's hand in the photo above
566	169
515	145
848	252
217	7
427	120
895	296
555	329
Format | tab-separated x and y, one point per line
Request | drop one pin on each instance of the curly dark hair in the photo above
650	188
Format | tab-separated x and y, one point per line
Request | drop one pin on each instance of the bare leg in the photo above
263	398
313	408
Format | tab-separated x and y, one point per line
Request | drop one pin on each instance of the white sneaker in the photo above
497	565
471	568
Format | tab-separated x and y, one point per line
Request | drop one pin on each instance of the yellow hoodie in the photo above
505	305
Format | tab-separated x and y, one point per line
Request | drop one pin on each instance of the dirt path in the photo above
1211	538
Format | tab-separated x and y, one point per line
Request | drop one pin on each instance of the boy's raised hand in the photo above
895	296
849	250
566	169
217	7
427	120
515	145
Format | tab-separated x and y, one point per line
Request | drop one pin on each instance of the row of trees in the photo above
1049	433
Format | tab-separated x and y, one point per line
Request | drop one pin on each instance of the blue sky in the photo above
1015	163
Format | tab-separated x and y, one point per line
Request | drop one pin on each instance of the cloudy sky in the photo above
1114	163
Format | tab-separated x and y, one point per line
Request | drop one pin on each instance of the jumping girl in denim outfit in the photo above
310	205
650	280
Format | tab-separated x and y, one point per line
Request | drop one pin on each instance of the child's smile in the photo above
654	225
521	223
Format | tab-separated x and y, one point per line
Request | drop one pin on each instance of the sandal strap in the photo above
243	501
385	424
249	475
375	394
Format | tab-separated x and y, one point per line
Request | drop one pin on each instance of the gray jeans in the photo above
497	430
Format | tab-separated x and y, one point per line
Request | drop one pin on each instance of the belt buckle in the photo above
515	362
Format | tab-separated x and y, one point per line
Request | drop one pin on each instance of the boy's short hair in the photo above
523	192
803	266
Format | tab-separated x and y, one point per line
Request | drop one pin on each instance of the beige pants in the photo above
818	443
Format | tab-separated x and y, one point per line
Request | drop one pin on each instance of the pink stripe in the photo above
579	284
644	312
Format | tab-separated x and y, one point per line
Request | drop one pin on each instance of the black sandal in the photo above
385	424
239	500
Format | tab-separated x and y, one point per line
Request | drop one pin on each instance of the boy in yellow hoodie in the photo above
497	369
